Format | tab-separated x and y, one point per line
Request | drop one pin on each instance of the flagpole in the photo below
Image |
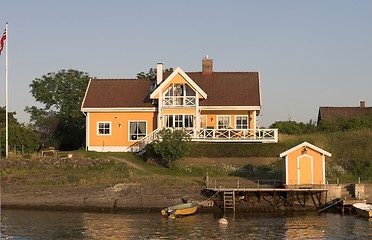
6	95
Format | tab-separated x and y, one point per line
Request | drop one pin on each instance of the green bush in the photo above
292	127
171	144
346	124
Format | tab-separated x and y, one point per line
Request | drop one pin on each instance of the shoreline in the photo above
120	198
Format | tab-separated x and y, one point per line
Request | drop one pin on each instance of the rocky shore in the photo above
120	197
18	190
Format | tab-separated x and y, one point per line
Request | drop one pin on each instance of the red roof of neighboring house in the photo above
222	88
334	113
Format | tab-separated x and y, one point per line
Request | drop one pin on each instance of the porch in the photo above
216	135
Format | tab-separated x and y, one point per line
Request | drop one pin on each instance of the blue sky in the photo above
308	53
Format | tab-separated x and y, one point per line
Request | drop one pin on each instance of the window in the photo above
189	121
178	121
137	130
179	95
241	122
223	121
104	128
168	121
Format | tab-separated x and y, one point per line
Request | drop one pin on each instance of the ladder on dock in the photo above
229	200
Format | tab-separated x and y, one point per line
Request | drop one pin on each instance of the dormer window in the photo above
179	95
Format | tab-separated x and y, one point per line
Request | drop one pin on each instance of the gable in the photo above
305	145
178	76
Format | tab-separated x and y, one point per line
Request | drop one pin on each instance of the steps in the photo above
347	191
229	200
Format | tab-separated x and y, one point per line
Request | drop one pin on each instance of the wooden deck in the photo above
275	198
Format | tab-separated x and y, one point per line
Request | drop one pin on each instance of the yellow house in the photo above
304	166
126	114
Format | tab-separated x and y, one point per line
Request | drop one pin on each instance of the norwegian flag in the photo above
3	38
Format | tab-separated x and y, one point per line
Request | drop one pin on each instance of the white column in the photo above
197	115
160	103
87	128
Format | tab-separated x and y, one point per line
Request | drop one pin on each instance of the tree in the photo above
60	122
11	118
292	127
19	135
171	144
152	73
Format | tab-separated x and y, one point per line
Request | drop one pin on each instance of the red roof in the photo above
334	113
222	88
229	88
117	93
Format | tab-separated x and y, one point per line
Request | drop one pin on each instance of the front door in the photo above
305	170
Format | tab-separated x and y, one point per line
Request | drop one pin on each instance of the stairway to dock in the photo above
229	200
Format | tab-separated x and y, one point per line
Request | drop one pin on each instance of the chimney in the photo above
207	65
159	73
362	104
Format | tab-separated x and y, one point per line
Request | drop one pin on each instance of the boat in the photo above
363	209
180	210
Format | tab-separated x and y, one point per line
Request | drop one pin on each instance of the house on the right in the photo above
304	166
332	114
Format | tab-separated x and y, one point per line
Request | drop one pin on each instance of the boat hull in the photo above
363	210
180	210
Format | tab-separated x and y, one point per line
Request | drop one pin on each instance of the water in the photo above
21	224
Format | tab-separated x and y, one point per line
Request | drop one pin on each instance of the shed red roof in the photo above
222	88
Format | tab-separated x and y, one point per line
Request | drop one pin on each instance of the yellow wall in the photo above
189	111
292	159
119	127
177	79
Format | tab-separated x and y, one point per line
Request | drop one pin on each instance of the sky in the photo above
309	53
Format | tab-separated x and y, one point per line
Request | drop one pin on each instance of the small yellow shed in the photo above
304	166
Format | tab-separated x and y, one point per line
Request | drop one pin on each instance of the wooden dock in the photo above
347	204
275	198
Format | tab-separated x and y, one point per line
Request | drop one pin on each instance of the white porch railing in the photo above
236	135
179	101
216	135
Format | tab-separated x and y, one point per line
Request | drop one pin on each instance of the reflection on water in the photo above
74	225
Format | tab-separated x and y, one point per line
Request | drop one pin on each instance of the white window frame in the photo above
104	134
166	116
172	99
129	134
218	124
236	121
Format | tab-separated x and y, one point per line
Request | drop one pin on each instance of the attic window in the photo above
179	95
